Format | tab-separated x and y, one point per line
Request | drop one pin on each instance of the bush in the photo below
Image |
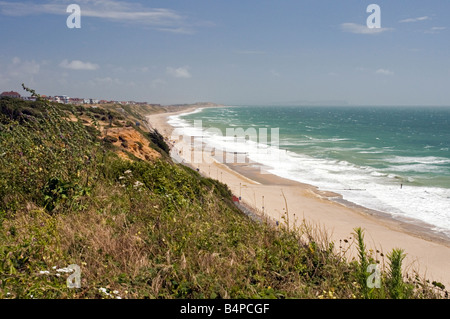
39	149
110	139
158	140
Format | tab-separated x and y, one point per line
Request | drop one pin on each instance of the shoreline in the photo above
427	252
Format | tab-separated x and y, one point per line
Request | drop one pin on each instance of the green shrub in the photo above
158	140
110	139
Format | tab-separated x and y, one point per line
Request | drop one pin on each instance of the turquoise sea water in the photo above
392	159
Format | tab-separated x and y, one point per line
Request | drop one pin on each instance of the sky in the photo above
232	52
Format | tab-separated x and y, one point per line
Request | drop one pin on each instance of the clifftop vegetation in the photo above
74	190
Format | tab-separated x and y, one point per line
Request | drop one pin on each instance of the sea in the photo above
394	160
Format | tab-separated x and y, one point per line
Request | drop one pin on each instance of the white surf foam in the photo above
365	186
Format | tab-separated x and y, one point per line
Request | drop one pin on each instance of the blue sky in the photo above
230	52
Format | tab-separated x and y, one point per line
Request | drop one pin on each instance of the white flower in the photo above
122	177
64	270
44	272
127	172
103	290
138	184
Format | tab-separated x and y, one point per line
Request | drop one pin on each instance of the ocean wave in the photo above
417	160
379	189
417	168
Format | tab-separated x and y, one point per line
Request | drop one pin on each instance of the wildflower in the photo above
103	290
122	177
44	272
64	270
138	184
127	172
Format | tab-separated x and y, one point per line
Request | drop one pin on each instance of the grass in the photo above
150	229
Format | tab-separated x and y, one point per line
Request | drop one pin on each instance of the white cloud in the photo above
182	72
23	68
18	71
113	10
180	30
409	20
384	72
78	65
435	30
106	80
362	29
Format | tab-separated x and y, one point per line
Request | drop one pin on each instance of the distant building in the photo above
29	98
10	94
76	101
64	99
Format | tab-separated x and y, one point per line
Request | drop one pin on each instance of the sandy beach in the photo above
291	202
